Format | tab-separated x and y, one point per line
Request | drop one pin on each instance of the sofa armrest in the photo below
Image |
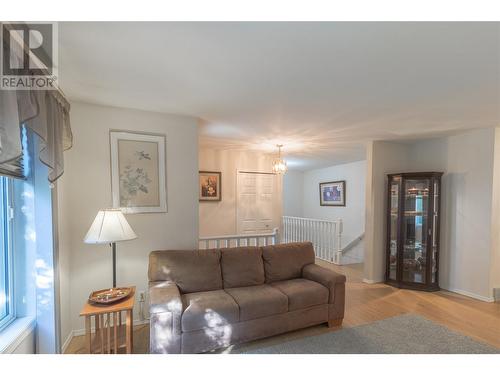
165	309
322	275
335	282
164	296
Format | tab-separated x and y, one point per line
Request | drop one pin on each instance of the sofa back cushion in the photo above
242	266
285	261
192	270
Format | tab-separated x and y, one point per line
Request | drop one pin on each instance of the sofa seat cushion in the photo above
259	301
208	309
302	293
242	266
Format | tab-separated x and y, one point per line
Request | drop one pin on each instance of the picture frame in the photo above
138	171
332	193
209	186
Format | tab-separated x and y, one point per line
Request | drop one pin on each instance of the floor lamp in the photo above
110	226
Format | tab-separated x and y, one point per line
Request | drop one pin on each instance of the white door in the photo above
258	208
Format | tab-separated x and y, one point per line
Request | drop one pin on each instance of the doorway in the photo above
258	207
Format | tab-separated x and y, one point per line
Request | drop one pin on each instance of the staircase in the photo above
326	237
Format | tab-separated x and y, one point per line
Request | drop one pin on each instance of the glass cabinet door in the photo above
414	228
435	231
393	230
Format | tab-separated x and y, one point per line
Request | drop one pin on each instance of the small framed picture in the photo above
209	186
138	175
332	193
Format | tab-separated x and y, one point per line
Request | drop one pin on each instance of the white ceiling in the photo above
321	89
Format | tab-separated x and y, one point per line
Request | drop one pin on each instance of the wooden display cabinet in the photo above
413	215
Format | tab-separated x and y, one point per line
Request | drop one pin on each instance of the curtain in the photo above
47	114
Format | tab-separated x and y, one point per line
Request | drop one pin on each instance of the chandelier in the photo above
279	164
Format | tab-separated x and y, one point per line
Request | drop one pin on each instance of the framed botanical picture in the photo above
138	176
332	193
209	186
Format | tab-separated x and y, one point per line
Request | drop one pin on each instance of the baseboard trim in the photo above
470	294
368	281
81	331
66	342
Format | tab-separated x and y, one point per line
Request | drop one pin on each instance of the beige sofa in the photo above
202	300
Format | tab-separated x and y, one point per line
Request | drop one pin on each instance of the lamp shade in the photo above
109	226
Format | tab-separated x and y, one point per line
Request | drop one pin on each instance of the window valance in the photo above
46	113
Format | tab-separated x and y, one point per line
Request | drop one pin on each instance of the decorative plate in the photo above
109	296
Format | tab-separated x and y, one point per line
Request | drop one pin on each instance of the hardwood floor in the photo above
366	303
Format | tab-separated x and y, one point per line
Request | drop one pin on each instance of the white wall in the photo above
467	188
219	218
64	263
293	194
86	187
301	198
467	161
382	158
495	220
353	213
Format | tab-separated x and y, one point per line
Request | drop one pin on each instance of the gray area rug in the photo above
404	334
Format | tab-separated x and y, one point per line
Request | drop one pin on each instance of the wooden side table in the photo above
108	333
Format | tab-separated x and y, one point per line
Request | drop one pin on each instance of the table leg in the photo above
115	326
88	334
128	329
131	331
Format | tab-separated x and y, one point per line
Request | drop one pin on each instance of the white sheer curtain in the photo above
44	112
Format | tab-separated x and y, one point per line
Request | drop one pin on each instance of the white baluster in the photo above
325	240
288	235
318	238
296	230
331	242
315	234
321	237
286	229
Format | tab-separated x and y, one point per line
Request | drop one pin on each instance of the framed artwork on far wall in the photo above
209	186
332	193
138	171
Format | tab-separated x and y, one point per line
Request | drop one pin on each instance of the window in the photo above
7	312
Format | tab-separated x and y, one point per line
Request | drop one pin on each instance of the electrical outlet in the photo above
142	296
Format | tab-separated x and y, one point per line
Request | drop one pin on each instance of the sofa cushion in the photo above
259	301
208	309
285	261
302	293
191	270
242	266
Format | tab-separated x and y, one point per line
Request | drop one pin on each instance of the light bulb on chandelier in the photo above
279	164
